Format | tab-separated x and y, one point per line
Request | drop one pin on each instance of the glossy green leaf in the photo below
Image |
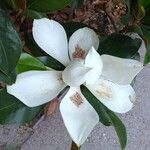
10	47
34	14
13	111
28	62
119	45
106	116
47	5
8	79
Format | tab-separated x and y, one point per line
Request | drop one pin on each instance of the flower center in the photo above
104	91
79	53
76	73
76	99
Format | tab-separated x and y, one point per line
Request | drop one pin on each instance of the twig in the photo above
74	146
112	21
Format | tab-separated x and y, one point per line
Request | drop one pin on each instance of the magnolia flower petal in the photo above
94	61
51	37
119	70
75	74
118	98
35	88
78	115
81	42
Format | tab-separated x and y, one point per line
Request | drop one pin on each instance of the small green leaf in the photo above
34	14
106	116
13	111
27	62
10	47
119	45
47	5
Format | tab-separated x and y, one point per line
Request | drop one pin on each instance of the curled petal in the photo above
51	37
94	61
119	70
118	98
35	88
78	115
75	74
81	42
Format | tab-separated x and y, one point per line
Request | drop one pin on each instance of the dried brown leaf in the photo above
51	107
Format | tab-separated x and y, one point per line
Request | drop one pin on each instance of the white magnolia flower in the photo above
107	77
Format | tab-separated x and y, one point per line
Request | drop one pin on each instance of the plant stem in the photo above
74	146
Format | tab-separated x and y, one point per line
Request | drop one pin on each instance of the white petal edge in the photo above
94	61
35	88
75	74
78	119
52	38
84	38
143	46
119	70
118	98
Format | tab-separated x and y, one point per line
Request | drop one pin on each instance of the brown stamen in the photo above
104	91
76	99
79	53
